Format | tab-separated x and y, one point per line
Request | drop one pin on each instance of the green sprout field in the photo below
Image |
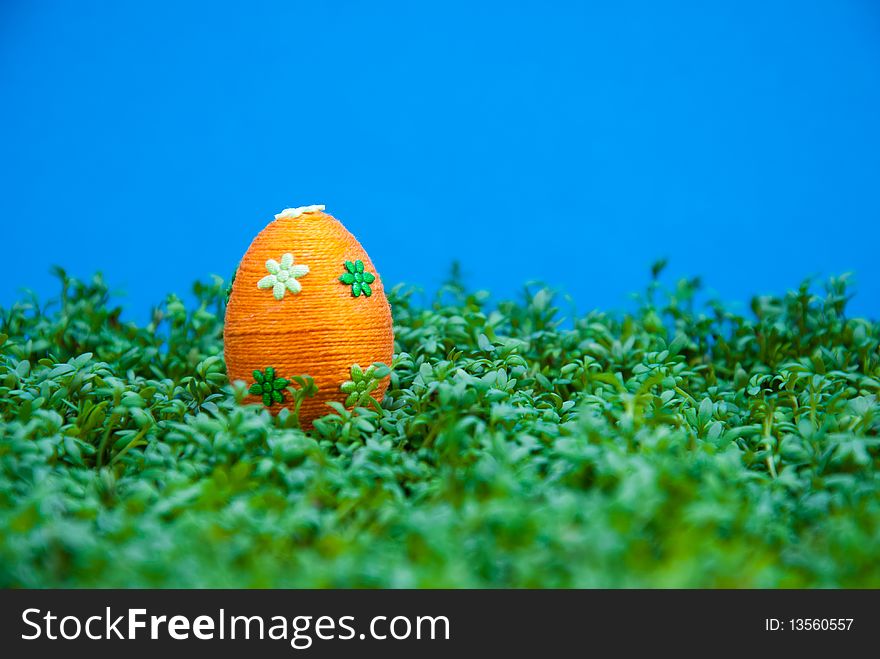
681	445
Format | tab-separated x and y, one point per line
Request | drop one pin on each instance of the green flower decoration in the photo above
360	386
268	386
283	276
358	279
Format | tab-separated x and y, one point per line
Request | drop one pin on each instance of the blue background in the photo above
530	140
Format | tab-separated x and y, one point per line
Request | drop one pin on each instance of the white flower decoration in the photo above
283	276
293	213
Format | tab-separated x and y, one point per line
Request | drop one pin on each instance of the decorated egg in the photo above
307	300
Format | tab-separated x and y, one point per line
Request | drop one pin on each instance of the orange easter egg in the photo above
307	300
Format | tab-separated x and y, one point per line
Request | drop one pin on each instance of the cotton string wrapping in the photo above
298	316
